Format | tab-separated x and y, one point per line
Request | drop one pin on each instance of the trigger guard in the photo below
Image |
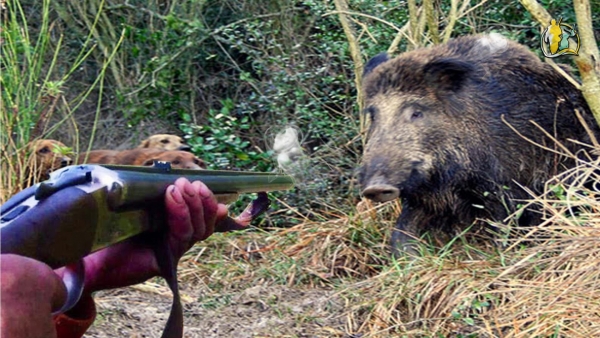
73	278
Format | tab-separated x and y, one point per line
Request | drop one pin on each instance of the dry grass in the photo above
537	282
18	169
544	289
313	253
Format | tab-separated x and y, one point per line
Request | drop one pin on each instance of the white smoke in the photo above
292	160
287	147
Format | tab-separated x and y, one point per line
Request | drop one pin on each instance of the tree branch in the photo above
588	60
413	17
342	7
432	22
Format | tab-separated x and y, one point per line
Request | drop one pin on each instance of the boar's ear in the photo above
447	74
374	62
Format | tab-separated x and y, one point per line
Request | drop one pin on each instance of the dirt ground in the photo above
259	311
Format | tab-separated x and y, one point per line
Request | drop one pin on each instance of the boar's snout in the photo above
381	192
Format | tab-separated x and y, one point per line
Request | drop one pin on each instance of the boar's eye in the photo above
417	114
413	112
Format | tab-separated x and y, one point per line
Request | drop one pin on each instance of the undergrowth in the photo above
542	281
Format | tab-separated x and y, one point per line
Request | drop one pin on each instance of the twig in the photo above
563	73
387	23
402	33
413	16
452	17
432	23
587	129
536	143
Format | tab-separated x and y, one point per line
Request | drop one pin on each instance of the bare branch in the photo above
413	20
347	12
588	60
342	8
432	23
539	13
452	17
402	33
563	73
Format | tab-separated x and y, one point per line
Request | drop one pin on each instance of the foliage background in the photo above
227	74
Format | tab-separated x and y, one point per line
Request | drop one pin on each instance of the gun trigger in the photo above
47	188
73	278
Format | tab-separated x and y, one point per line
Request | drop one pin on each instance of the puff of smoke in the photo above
291	158
287	147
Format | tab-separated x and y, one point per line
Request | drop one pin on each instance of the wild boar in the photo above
456	132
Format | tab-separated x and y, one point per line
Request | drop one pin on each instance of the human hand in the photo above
192	215
30	291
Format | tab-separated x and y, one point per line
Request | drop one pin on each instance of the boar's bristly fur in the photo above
452	132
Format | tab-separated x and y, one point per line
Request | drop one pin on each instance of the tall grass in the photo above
34	103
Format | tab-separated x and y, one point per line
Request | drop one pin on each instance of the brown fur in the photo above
165	142
98	157
44	159
146	157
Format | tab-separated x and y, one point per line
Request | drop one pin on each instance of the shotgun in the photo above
84	208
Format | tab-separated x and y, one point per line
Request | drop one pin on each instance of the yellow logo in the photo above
560	39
